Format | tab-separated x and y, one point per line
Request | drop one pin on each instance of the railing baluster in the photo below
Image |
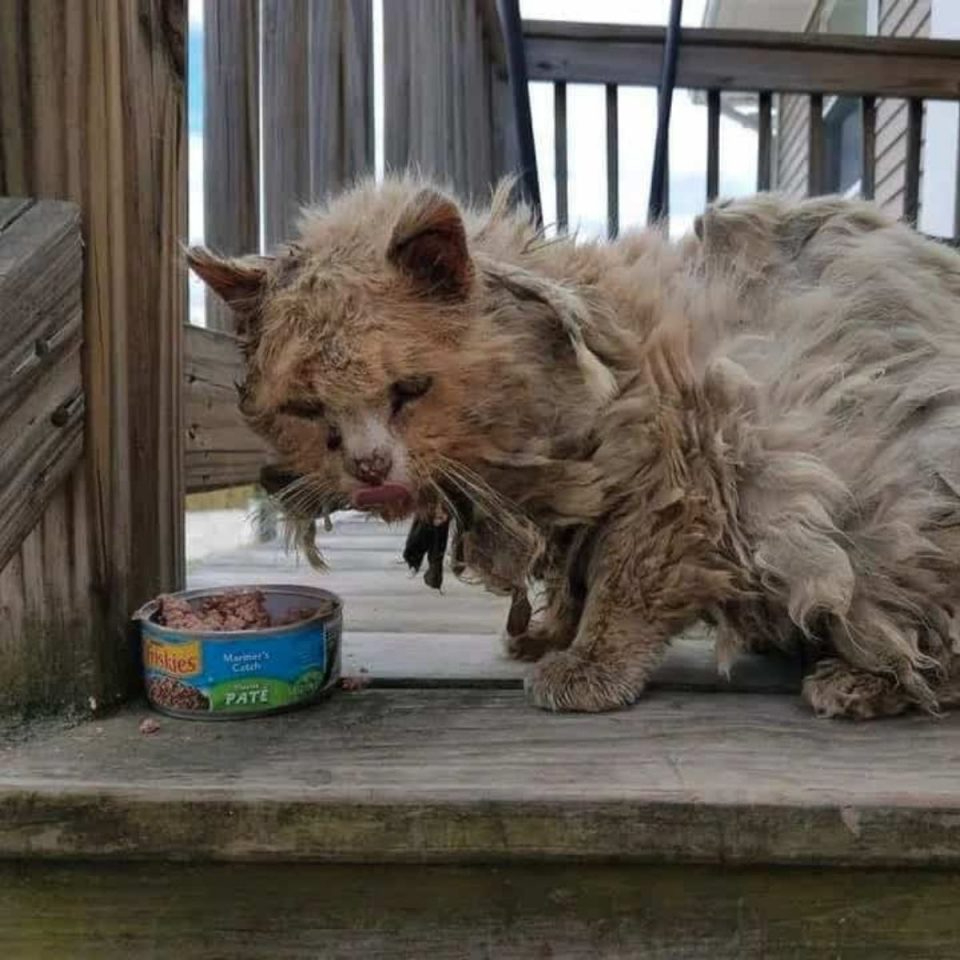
713	144
911	193
560	152
815	178
868	156
764	140
613	163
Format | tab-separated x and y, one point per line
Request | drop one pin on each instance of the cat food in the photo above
221	654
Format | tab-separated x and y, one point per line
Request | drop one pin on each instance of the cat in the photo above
757	425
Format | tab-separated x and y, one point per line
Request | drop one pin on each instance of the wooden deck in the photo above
441	769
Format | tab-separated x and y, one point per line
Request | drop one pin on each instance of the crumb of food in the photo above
148	725
229	611
352	684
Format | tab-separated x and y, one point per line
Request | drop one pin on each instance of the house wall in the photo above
894	18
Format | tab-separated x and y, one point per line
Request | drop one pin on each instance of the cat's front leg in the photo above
634	605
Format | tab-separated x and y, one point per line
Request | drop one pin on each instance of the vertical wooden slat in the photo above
613	163
956	197
911	194
286	115
713	144
340	106
815	175
764	140
868	145
560	153
231	135
443	100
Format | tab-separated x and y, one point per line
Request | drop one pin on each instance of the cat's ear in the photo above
429	245
238	281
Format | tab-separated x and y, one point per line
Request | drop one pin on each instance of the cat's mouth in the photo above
390	500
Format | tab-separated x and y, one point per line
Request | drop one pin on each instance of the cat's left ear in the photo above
429	245
238	281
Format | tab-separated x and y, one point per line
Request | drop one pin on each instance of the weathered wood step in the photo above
477	775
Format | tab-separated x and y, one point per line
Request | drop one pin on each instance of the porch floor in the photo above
441	759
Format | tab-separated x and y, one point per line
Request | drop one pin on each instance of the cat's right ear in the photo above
238	281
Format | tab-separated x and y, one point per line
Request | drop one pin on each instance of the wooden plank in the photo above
220	450
815	172
868	147
911	199
105	127
765	141
40	298
113	911
11	208
613	163
231	135
286	108
561	175
745	60
421	660
340	58
460	776
713	144
447	110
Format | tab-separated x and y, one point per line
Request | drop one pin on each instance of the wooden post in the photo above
93	101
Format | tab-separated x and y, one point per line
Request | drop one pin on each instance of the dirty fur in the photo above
758	426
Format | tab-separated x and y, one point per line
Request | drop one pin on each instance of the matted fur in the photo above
757	426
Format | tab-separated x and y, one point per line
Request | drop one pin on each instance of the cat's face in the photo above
355	354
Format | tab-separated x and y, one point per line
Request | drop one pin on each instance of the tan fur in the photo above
757	426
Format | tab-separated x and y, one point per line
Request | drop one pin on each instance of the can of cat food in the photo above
235	653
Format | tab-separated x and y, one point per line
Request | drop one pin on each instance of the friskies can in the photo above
214	675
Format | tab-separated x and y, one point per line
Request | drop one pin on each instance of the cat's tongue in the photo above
386	495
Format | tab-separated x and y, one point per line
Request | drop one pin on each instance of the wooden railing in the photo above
760	62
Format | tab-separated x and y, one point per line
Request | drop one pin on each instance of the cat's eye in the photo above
403	391
304	409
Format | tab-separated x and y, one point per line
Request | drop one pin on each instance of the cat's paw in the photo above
565	681
835	689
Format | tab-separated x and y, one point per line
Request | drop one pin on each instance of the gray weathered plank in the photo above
746	60
41	384
231	135
457	776
219	449
286	115
11	208
108	911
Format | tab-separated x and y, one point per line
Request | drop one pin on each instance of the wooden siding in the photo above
898	18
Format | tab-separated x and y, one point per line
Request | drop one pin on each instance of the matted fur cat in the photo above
757	426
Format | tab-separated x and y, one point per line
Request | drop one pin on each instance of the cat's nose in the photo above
372	468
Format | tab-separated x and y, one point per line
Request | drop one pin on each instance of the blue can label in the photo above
230	675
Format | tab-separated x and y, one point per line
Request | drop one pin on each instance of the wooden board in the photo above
219	449
286	912
399	632
231	135
748	60
41	386
92	99
466	776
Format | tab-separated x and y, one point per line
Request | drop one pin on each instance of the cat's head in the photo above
387	359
